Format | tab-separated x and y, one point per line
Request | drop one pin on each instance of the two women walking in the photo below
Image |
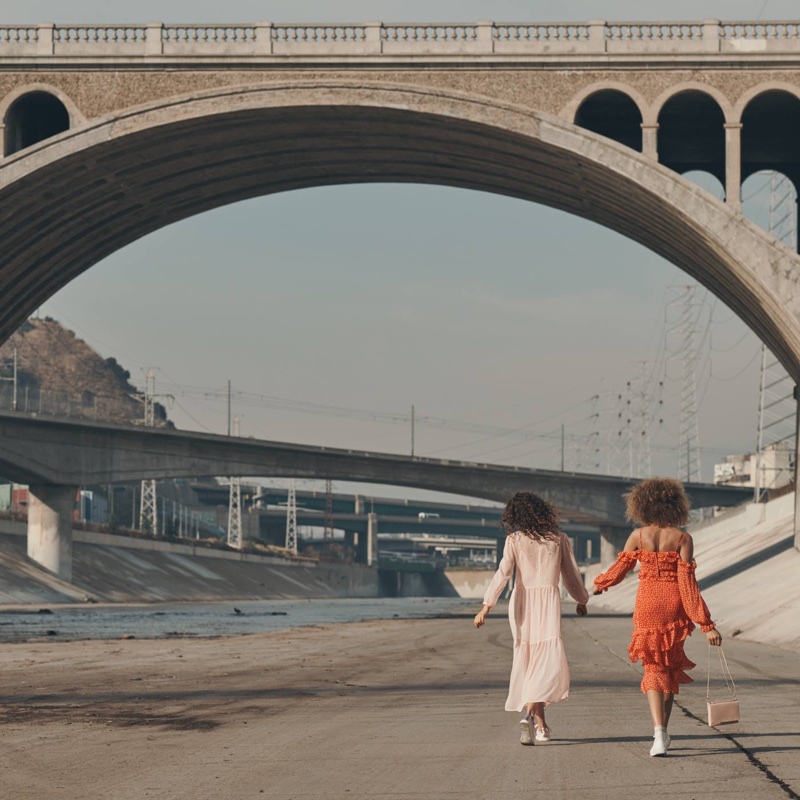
668	602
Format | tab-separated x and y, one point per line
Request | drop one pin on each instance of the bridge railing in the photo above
264	39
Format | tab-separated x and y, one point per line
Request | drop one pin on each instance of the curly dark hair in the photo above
532	515
658	501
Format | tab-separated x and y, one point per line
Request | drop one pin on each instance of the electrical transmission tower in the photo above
328	509
587	452
646	411
684	309
291	517
629	417
615	433
776	405
235	504
148	512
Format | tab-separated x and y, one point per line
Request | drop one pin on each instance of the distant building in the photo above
772	470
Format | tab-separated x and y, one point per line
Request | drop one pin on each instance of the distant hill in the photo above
58	374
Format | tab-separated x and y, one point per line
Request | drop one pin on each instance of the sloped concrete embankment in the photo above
118	569
748	569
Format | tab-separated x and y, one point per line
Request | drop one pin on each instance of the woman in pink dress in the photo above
537	553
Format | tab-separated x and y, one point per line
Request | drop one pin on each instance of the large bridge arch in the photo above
88	192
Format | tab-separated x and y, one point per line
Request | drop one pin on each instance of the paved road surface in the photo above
399	709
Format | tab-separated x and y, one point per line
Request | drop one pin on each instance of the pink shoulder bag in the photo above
722	712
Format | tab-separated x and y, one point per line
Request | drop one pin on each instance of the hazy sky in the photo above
471	307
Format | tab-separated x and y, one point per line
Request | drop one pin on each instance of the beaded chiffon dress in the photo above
539	671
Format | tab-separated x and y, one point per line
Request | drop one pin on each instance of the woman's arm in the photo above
625	562
693	603
571	574
504	571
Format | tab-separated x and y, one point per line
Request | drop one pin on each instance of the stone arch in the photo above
571	109
612	113
85	194
49	99
691	133
76	116
654	111
761	88
771	132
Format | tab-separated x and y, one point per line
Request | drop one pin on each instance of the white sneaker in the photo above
526	730
660	743
669	741
542	734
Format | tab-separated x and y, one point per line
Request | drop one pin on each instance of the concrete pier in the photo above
50	511
612	540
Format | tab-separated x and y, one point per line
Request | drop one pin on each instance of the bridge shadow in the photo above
746	563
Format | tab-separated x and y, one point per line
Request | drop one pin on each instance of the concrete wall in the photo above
119	569
469	582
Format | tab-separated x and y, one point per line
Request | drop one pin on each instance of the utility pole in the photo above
235	496
328	509
229	408
148	512
13	380
562	446
291	517
14	404
412	431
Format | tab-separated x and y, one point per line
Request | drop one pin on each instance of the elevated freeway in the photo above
56	456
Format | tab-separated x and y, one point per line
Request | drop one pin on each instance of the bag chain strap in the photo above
726	673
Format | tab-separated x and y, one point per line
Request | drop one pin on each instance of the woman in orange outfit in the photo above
668	600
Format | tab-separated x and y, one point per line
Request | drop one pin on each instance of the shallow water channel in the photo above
151	621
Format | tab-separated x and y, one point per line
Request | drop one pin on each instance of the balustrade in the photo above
408	39
98	35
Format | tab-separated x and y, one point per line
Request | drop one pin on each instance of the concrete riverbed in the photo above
377	709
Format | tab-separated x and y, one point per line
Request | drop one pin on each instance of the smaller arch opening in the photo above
706	180
33	118
769	198
691	134
612	114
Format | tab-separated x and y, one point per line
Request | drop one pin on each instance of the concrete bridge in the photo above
55	457
597	119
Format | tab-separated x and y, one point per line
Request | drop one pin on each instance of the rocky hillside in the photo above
58	374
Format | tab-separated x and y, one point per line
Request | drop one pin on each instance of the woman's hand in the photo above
581	609
714	637
480	617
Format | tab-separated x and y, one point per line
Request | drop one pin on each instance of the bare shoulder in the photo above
632	542
687	547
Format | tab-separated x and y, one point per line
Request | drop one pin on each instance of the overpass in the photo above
360	515
341	503
56	456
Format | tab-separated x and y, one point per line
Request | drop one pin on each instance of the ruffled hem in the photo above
539	674
667	681
662	647
661	652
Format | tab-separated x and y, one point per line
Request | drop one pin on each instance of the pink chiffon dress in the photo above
539	671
